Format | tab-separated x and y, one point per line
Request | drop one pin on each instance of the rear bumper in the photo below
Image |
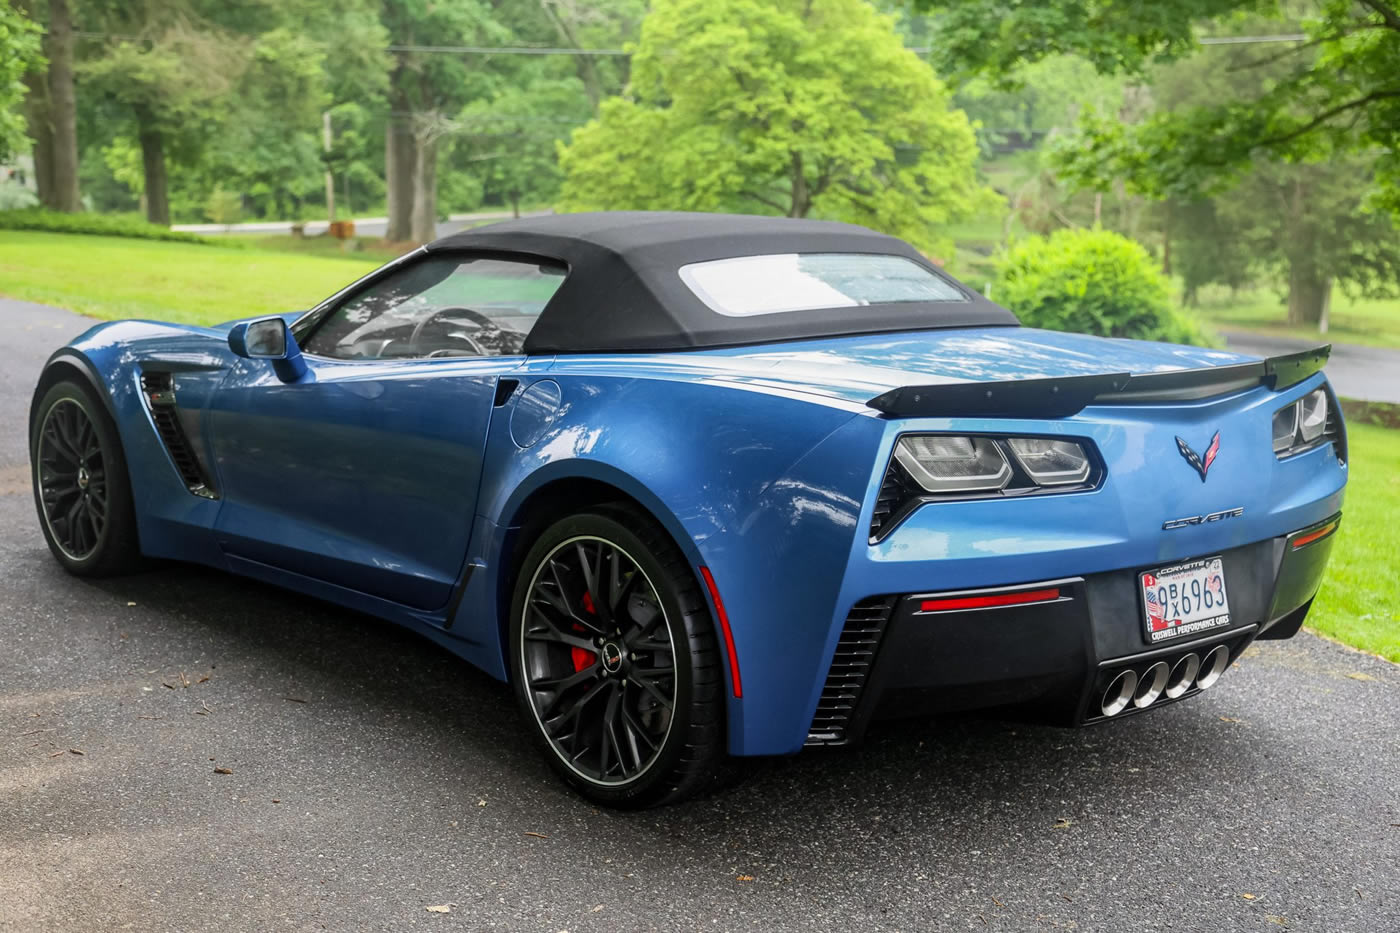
1052	659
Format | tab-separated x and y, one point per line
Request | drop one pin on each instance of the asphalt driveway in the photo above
372	776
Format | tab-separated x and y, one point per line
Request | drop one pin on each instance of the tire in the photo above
87	539
564	642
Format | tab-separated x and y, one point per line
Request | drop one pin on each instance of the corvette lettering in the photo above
1201	519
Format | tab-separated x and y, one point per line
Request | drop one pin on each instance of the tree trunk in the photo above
1309	294
424	227
63	108
41	132
515	203
400	166
801	201
153	163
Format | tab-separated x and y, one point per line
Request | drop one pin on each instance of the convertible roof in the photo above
624	291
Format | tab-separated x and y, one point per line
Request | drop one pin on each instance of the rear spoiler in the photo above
1065	396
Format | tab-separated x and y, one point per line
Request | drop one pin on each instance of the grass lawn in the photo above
1374	323
1359	603
116	277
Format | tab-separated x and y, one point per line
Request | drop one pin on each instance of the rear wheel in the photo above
615	662
81	489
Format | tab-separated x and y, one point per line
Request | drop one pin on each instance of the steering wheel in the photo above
487	325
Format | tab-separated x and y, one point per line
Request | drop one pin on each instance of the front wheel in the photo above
81	487
615	662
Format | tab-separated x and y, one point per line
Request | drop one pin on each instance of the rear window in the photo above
750	285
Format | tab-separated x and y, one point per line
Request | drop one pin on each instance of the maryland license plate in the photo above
1185	599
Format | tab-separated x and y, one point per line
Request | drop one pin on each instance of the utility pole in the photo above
330	176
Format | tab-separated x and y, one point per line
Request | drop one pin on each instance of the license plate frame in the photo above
1172	608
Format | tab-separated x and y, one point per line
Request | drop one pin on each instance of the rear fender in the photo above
750	483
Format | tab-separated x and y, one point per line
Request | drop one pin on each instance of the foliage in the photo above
1091	282
1359	602
513	138
1304	219
114	278
1047	96
794	107
224	207
114	225
19	51
1339	92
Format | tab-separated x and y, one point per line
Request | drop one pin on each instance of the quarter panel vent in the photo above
850	667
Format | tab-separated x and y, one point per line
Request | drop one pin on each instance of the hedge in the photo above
34	218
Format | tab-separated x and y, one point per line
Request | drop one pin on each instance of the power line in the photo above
603	53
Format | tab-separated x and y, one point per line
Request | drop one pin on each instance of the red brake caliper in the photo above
582	657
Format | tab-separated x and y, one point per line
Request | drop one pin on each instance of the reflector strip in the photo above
724	628
1310	537
990	601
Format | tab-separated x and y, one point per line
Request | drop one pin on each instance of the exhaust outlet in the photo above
1119	693
1213	666
1151	685
1183	675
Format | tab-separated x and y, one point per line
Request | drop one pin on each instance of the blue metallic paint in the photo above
376	484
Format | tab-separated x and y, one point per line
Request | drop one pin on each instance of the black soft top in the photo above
624	290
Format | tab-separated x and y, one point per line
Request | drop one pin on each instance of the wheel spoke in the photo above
654	690
564	602
576	707
590	581
551	632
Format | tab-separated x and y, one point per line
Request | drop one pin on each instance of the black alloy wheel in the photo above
80	483
615	661
72	479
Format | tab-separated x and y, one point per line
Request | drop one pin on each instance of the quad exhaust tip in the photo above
1151	684
1120	692
1213	666
1183	675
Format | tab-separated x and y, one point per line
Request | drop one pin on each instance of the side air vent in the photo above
855	653
159	391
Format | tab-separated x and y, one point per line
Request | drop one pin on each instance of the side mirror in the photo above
268	339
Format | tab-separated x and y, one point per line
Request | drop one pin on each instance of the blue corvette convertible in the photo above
702	485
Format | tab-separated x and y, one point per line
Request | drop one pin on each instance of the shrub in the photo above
1092	282
33	218
224	207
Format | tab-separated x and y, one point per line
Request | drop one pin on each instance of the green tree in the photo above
1339	92
796	107
171	85
513	138
19	52
1303	218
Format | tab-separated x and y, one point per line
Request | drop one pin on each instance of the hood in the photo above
857	368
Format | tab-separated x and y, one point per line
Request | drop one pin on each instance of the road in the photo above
1368	373
364	226
374	776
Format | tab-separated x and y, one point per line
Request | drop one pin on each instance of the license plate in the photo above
1185	599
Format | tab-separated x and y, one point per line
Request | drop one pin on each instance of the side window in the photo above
440	306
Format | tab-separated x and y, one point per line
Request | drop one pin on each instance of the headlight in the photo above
1300	425
1051	462
950	464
